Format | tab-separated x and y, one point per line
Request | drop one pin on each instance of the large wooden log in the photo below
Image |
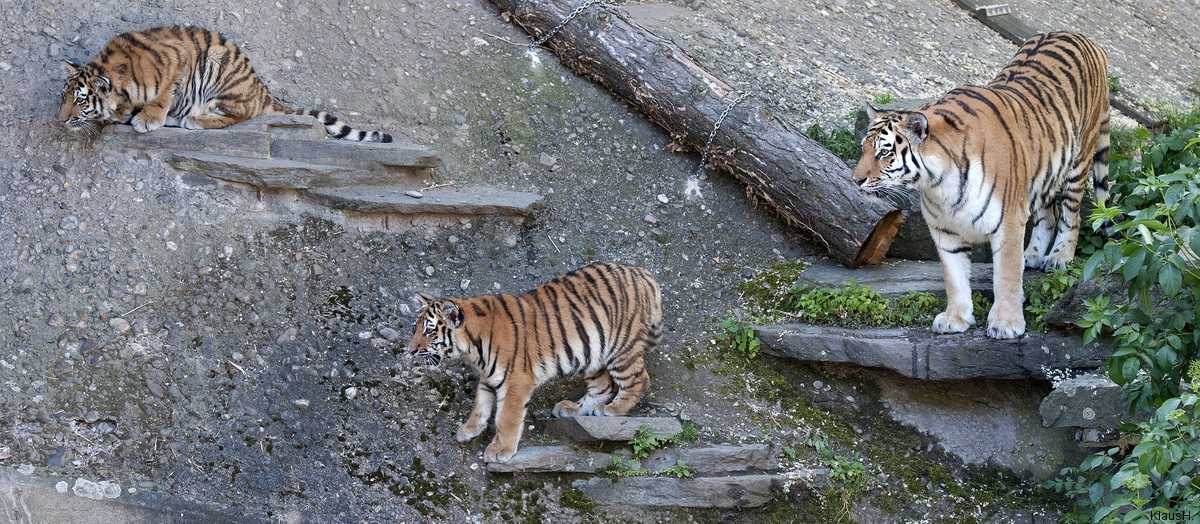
801	180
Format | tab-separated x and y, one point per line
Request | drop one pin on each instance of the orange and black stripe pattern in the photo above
176	76
597	321
988	159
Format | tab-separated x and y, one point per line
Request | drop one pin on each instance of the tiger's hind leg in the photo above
1067	236
630	376
600	389
1044	223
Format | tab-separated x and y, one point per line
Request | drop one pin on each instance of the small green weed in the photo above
741	338
849	471
680	469
1114	83
839	141
1043	292
883	98
645	441
626	468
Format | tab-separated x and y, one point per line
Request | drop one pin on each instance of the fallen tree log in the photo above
796	177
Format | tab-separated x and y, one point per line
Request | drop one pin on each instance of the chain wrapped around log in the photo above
796	177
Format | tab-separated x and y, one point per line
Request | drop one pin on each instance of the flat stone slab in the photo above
714	460
470	200
561	459
893	277
293	127
1086	401
235	142
356	154
612	429
920	354
747	491
276	173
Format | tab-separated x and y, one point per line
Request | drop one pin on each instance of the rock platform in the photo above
291	152
723	475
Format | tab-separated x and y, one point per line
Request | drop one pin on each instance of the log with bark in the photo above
798	178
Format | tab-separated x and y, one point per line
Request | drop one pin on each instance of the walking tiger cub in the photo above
176	76
597	321
986	158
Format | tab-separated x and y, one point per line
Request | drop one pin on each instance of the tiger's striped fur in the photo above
176	76
597	321
986	158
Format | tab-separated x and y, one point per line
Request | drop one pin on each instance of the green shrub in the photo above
839	141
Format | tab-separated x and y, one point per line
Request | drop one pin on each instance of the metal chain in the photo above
713	134
578	10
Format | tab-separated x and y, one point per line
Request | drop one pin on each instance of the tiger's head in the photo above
891	160
434	333
88	100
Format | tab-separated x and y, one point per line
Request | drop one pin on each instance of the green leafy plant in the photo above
645	440
626	468
680	469
742	339
839	141
848	471
883	98
1154	481
688	432
1114	83
1156	244
1043	292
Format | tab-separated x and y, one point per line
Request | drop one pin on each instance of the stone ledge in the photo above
546	459
470	200
611	429
722	459
1086	401
893	277
234	142
747	491
918	353
270	173
357	154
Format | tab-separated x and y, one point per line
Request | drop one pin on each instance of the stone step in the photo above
918	353
360	155
277	173
895	277
1087	401
469	200
745	491
290	127
242	142
556	459
703	460
610	429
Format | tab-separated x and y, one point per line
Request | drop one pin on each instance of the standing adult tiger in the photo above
597	321
986	158
176	76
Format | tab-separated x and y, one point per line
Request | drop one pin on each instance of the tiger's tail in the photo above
335	127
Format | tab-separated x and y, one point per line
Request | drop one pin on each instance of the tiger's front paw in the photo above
467	432
497	452
566	408
141	124
1045	263
1005	328
947	322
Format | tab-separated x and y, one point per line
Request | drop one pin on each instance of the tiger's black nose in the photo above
859	181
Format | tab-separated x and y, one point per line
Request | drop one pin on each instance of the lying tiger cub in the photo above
176	76
985	158
597	321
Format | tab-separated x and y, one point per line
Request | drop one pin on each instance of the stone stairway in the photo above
724	475
291	152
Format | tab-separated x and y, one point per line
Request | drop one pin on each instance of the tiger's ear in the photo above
102	85
918	126
422	300
452	313
70	68
872	113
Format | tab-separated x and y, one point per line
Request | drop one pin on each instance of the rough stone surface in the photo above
749	491
1086	401
533	459
893	277
615	429
356	154
235	142
289	127
471	200
715	460
917	353
272	173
